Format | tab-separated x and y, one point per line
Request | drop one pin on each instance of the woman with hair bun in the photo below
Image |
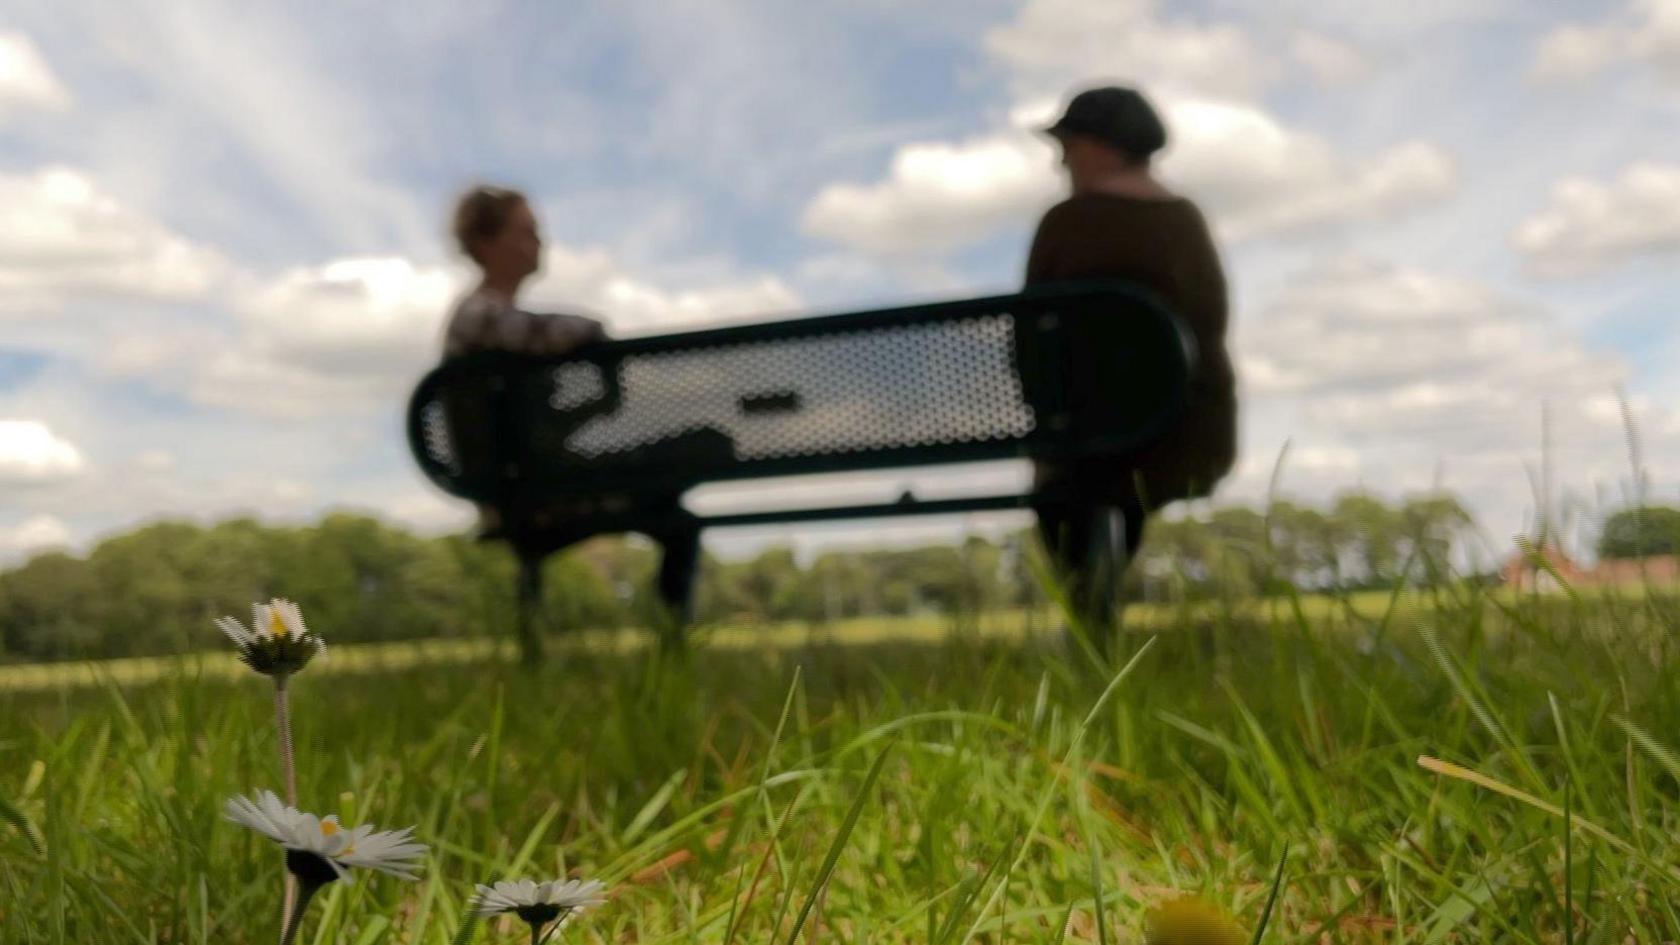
495	228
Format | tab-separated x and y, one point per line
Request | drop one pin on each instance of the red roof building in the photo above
1523	572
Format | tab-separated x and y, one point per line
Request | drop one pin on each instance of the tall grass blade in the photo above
839	844
1271	900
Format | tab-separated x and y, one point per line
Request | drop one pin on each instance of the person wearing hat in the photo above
1121	223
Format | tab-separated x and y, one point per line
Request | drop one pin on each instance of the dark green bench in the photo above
609	438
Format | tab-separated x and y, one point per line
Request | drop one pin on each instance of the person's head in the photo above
495	227
1107	130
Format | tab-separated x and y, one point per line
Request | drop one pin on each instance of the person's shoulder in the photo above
1065	207
1060	215
1190	209
1194	219
1105	205
478	302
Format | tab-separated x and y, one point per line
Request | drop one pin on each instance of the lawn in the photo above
1026	791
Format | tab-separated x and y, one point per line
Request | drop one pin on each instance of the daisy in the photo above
540	903
1191	921
318	850
276	643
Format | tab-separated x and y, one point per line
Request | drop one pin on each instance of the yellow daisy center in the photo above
276	625
328	828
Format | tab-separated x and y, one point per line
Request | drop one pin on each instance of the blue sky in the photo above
222	258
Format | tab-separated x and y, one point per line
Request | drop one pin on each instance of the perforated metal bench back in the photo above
965	380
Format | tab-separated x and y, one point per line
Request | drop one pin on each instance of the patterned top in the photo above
484	321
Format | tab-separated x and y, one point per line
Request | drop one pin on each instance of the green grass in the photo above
973	786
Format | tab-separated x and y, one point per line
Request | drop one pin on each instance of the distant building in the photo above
1523	572
1661	569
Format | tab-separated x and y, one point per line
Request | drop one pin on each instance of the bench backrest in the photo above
1063	370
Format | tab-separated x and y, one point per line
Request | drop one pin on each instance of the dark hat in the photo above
1119	117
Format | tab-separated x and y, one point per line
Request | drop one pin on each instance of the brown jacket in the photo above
1163	245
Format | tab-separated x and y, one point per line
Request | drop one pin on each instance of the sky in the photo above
1450	227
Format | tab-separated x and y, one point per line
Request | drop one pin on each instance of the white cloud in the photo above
1398	379
1591	226
351	315
1329	59
320	339
355	333
25	79
1413	339
1644	32
258	77
1574	50
937	197
34	534
1054	43
156	461
590	281
1256	176
31	454
1416	368
61	235
1253	175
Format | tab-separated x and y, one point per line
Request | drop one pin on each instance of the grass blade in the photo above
9	813
1271	900
839	844
1451	770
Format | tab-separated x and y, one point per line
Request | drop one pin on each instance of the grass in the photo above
896	784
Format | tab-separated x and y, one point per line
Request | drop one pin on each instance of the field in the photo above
988	782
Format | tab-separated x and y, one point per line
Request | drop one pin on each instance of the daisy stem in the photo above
306	892
283	721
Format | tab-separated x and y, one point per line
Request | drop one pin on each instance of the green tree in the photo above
1640	532
1369	530
1433	526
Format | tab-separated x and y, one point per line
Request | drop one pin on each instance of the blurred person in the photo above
496	229
1119	222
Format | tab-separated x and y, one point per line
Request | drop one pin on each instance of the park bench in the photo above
609	438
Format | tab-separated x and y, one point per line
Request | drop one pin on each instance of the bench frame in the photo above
1059	330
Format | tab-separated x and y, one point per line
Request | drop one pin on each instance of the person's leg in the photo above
1112	532
1136	517
1066	535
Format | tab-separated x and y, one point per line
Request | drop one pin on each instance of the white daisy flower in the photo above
276	643
540	903
318	850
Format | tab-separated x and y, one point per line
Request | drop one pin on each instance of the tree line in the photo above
156	589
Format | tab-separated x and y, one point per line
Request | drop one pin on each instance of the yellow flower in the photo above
1191	921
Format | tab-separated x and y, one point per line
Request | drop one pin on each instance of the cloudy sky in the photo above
222	253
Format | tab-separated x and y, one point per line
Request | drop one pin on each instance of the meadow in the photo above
884	781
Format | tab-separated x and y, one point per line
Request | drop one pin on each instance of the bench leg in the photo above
678	567
530	605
